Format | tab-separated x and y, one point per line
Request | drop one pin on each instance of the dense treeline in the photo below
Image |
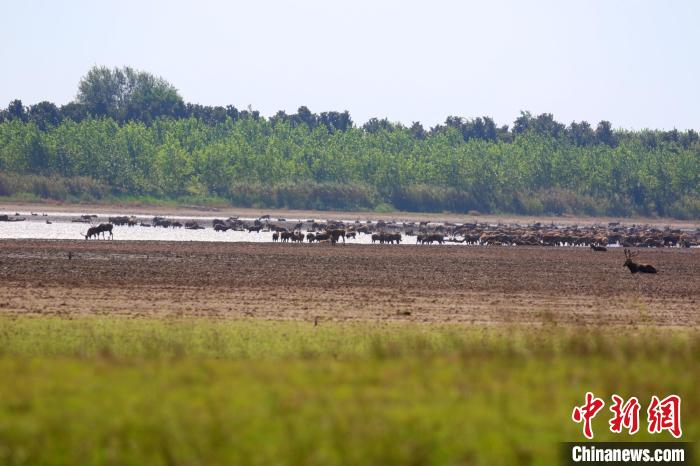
130	134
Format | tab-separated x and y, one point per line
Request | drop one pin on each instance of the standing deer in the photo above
100	229
633	266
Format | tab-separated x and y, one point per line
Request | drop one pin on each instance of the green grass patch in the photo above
113	391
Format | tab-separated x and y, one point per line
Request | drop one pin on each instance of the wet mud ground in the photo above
433	284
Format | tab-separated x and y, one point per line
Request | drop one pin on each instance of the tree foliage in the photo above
126	94
132	133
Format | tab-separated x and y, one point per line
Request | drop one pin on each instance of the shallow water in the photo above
62	228
35	227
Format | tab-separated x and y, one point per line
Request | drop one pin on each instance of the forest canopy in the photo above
129	134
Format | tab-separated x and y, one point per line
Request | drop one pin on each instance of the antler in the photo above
630	254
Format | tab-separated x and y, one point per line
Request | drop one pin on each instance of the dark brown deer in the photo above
599	248
633	266
92	231
100	229
336	234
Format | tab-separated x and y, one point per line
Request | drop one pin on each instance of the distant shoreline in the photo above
25	208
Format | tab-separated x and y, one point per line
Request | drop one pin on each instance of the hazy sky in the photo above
635	63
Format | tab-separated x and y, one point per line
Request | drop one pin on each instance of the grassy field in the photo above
117	391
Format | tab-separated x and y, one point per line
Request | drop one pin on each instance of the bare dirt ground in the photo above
481	285
225	212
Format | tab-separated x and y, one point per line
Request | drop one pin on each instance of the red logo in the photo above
665	415
661	415
586	412
625	415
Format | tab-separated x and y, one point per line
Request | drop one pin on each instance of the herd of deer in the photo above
484	234
332	232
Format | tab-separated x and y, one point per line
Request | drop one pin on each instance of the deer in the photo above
599	248
336	234
633	266
100	229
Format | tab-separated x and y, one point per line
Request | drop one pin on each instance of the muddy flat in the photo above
480	285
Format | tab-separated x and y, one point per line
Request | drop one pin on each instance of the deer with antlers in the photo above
633	266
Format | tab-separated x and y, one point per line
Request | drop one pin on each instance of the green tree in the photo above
127	94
